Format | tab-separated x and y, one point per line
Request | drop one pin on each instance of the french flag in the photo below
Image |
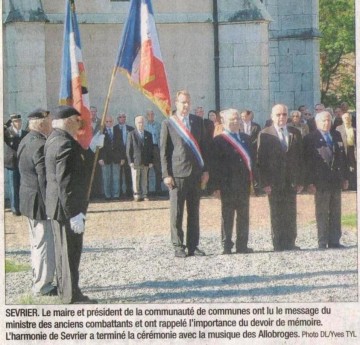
139	55
73	85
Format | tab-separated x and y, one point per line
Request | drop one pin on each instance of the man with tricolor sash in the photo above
184	170
231	178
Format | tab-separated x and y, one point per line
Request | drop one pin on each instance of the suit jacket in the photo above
113	149
324	173
229	173
119	133
31	160
279	169
138	151
177	159
68	168
254	133
12	142
311	124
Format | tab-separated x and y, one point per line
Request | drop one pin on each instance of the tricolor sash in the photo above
189	139
239	149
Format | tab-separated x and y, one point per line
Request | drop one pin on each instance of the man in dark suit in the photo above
249	127
122	130
326	175
281	167
183	161
67	172
139	152
110	159
231	177
32	202
13	134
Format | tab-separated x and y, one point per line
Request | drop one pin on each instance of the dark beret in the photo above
63	112
15	116
38	114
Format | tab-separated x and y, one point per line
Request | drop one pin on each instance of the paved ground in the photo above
128	258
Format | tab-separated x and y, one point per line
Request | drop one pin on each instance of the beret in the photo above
15	116
38	114
63	112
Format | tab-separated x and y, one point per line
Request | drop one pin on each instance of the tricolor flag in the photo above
73	87
139	55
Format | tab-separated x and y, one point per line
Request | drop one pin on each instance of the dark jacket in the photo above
67	172
324	174
118	135
33	176
177	159
113	149
12	141
279	169
229	173
138	151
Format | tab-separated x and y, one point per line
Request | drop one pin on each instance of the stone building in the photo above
227	53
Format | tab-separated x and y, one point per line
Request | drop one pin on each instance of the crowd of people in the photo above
227	154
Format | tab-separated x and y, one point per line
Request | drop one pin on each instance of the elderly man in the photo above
348	136
139	152
67	169
326	175
13	134
122	130
32	202
281	166
110	159
231	179
184	170
154	128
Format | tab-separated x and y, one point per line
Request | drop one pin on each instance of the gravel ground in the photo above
128	258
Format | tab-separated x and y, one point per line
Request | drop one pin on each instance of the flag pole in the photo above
102	125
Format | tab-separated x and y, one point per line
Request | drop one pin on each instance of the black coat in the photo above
113	150
229	173
278	169
139	152
177	159
68	167
12	142
31	160
118	136
324	175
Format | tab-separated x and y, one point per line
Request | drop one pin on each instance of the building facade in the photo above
227	53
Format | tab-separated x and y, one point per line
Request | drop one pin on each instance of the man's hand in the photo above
169	182
122	162
345	185
311	188
267	190
217	194
101	162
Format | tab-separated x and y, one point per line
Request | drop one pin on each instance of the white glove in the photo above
97	141
77	223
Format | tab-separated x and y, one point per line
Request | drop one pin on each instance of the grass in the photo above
31	299
11	267
349	220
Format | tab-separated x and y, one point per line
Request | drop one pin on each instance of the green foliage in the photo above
337	51
11	266
349	220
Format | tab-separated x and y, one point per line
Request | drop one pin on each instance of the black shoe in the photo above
322	246
83	299
180	253
196	252
294	248
246	250
226	251
337	246
52	292
16	213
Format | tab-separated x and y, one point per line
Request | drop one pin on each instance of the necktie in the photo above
283	139
235	136
141	135
110	134
328	140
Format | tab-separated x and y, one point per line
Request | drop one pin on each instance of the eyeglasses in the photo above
307	114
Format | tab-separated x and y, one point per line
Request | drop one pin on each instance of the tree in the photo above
337	51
